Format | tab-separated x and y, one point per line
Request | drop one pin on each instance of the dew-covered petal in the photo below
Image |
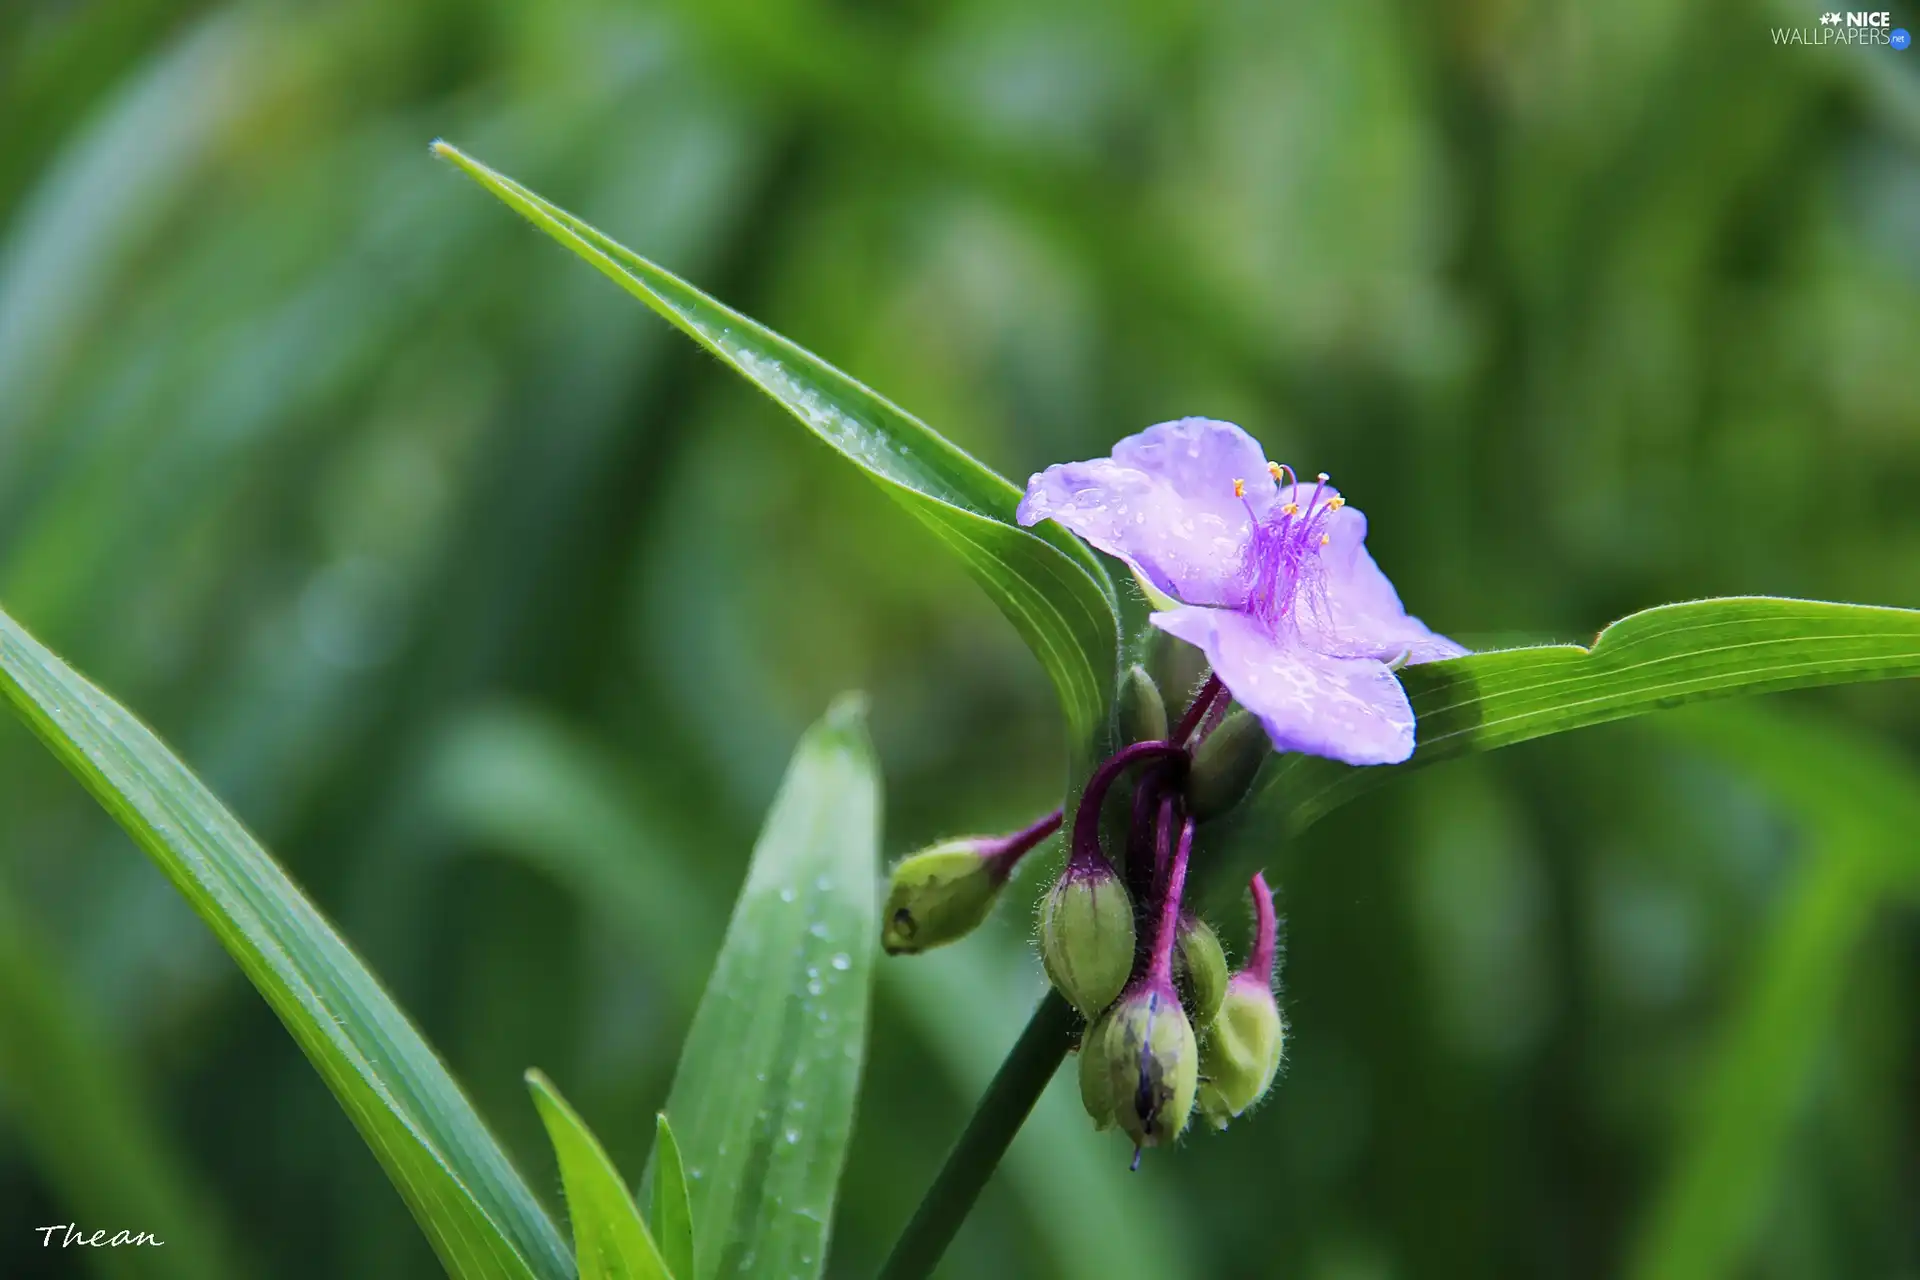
1350	709
1352	611
1199	459
1165	504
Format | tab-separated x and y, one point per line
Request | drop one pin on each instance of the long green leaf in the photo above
672	1211
1050	586
1659	658
479	1216
764	1095
610	1242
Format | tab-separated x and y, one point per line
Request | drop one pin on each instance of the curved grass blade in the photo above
610	1242
481	1219
672	1211
69	1096
1653	660
1048	583
1859	803
764	1095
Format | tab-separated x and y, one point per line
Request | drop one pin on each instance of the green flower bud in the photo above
1086	935
1096	1081
1242	1052
1247	1040
1199	971
943	892
1224	765
1143	713
1150	1063
939	895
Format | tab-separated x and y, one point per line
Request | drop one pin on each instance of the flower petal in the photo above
1352	611
1349	709
1165	504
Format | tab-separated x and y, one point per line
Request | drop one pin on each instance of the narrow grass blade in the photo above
535	791
672	1212
764	1097
480	1217
1859	803
1049	584
610	1242
68	1093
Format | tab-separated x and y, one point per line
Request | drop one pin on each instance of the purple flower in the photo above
1273	579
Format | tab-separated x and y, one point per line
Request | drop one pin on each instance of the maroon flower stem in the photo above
1141	866
1260	958
1022	1078
1162	848
1086	819
1215	715
1202	703
1016	845
1162	969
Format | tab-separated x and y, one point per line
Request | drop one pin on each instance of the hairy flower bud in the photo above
1087	935
943	892
939	895
1247	1040
1242	1052
1224	765
1149	1062
1143	713
1096	1081
1199	971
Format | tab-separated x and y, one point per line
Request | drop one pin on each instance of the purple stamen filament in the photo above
1281	556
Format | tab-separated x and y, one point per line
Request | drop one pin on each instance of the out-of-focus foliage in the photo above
496	608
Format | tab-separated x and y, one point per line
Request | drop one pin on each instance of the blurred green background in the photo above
495	607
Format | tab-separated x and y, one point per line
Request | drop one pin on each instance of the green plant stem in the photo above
1018	1084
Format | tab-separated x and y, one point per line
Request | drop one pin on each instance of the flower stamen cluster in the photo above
1268	576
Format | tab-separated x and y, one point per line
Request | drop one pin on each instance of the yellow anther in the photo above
1273	469
1324	539
1335	503
1239	488
1291	508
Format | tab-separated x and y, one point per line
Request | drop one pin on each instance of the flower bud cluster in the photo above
1170	1030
